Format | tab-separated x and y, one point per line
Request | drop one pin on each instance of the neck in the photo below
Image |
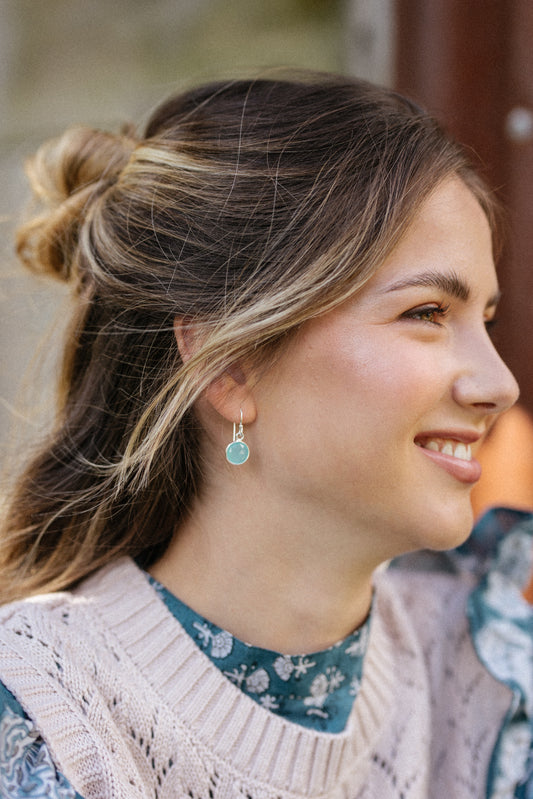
274	580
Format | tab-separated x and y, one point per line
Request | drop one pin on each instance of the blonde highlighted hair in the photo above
246	208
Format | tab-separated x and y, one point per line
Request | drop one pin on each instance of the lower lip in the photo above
465	471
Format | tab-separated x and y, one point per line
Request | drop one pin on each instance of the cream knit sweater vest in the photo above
130	707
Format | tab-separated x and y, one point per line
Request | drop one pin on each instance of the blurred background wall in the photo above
100	63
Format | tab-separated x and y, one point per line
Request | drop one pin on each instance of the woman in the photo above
277	368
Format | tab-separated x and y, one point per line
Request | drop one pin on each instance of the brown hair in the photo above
248	207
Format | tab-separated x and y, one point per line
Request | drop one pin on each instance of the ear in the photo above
187	337
230	392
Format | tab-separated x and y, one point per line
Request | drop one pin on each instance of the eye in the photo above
432	314
490	325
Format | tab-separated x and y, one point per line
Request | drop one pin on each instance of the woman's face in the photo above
371	415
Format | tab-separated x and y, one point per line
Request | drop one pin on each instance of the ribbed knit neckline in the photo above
316	690
263	746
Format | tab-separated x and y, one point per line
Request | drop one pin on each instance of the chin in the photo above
453	531
444	530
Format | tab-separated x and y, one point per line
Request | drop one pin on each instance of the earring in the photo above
237	451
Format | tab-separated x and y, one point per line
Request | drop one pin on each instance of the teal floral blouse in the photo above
318	690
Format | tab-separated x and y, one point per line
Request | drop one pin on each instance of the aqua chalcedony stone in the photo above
237	452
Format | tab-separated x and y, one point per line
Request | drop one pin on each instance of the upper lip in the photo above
463	436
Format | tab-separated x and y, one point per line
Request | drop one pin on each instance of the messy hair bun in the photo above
66	174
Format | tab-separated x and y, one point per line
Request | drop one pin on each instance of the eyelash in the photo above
490	324
416	314
441	311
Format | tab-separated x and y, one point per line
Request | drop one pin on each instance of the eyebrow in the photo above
450	283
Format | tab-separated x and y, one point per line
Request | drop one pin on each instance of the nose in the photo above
485	382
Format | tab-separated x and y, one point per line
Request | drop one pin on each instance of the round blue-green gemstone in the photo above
237	452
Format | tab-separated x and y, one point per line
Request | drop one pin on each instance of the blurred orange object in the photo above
506	457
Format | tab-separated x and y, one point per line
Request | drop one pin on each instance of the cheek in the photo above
378	373
379	395
345	395
354	395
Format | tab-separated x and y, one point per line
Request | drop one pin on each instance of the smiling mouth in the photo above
447	446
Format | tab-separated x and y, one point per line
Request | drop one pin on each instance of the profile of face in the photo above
371	415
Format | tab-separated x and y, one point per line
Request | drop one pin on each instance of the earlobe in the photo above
229	397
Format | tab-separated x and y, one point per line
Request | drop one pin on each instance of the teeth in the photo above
448	447
463	452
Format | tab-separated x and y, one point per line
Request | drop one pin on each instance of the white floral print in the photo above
515	558
502	630
514	751
322	686
258	681
302	666
504	598
285	668
509	651
221	645
221	642
26	768
318	692
359	645
269	702
237	675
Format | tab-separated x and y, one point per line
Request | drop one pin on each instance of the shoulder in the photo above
60	612
468	603
43	635
425	617
469	590
34	630
26	618
60	659
58	640
464	620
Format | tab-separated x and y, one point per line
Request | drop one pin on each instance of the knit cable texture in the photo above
130	707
